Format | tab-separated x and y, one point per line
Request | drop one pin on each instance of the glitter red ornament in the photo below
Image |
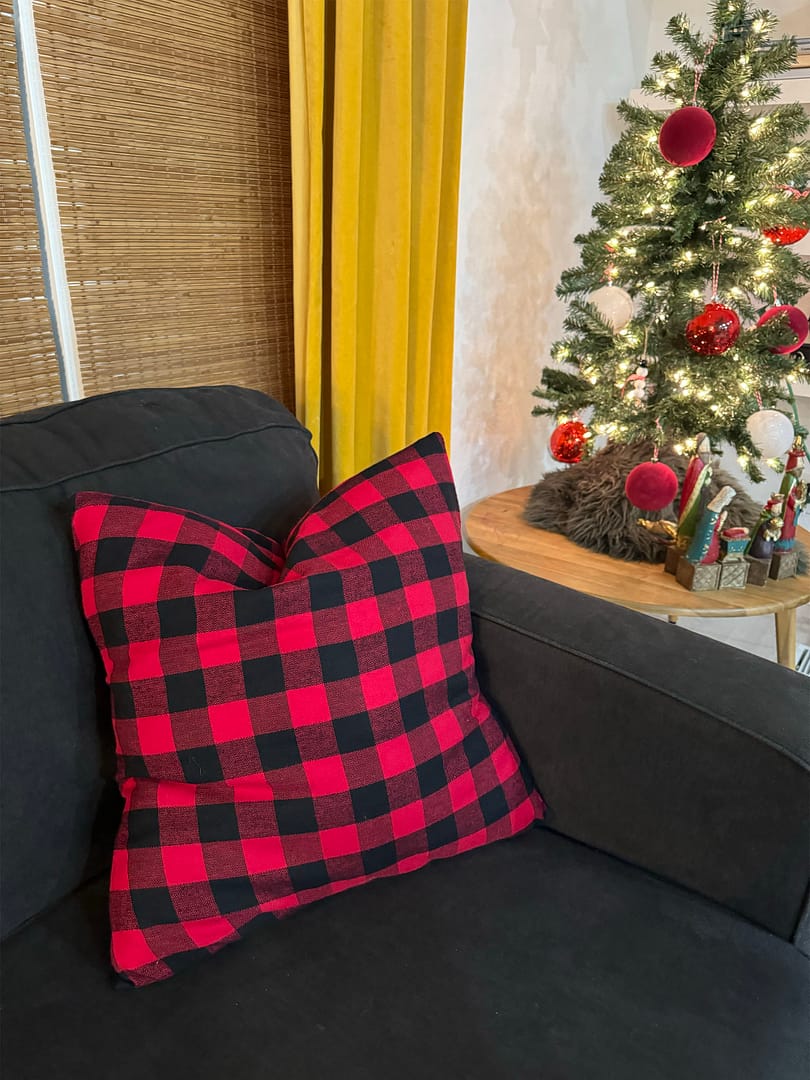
652	485
568	441
687	136
714	330
782	235
797	320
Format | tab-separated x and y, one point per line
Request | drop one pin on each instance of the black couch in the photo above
653	927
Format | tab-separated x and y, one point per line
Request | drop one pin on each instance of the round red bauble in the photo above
714	330
567	442
798	324
651	485
782	235
687	136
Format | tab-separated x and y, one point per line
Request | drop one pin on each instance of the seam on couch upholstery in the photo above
771	743
58	407
154	454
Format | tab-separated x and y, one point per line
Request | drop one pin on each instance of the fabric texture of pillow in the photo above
289	722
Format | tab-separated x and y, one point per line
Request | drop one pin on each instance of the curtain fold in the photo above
376	97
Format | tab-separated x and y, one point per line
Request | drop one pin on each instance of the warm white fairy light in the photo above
757	125
744	460
695	294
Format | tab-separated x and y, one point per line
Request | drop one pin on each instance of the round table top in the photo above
495	529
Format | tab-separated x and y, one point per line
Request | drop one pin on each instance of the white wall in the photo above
543	78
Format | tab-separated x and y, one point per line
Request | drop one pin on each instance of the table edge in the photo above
685	611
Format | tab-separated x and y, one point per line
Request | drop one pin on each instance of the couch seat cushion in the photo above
534	957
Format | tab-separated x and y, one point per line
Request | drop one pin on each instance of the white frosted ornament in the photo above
614	305
771	432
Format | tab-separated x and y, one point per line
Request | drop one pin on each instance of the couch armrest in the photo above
681	755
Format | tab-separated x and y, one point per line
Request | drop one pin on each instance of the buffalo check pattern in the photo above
289	722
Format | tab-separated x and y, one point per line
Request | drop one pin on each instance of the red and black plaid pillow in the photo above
289	723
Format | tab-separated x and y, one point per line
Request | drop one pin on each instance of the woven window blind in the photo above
169	122
29	374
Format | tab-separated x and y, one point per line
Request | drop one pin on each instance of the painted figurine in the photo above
768	528
698	475
794	491
705	544
794	504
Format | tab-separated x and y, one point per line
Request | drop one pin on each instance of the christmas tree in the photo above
680	315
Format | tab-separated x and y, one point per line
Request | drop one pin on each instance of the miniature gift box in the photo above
758	570
697	576
734	541
784	564
674	554
733	574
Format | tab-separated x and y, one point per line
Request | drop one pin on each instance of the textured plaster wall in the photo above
542	81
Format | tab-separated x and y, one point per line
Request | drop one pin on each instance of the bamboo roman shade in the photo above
29	374
169	121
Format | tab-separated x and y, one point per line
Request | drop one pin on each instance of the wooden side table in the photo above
495	529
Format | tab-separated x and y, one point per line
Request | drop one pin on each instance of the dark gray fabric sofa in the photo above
655	927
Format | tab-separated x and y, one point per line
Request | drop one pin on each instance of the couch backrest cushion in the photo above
224	451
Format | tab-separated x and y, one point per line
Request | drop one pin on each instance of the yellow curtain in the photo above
376	91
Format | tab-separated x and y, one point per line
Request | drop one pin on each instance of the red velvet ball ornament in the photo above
782	235
651	485
798	324
714	330
567	442
687	136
